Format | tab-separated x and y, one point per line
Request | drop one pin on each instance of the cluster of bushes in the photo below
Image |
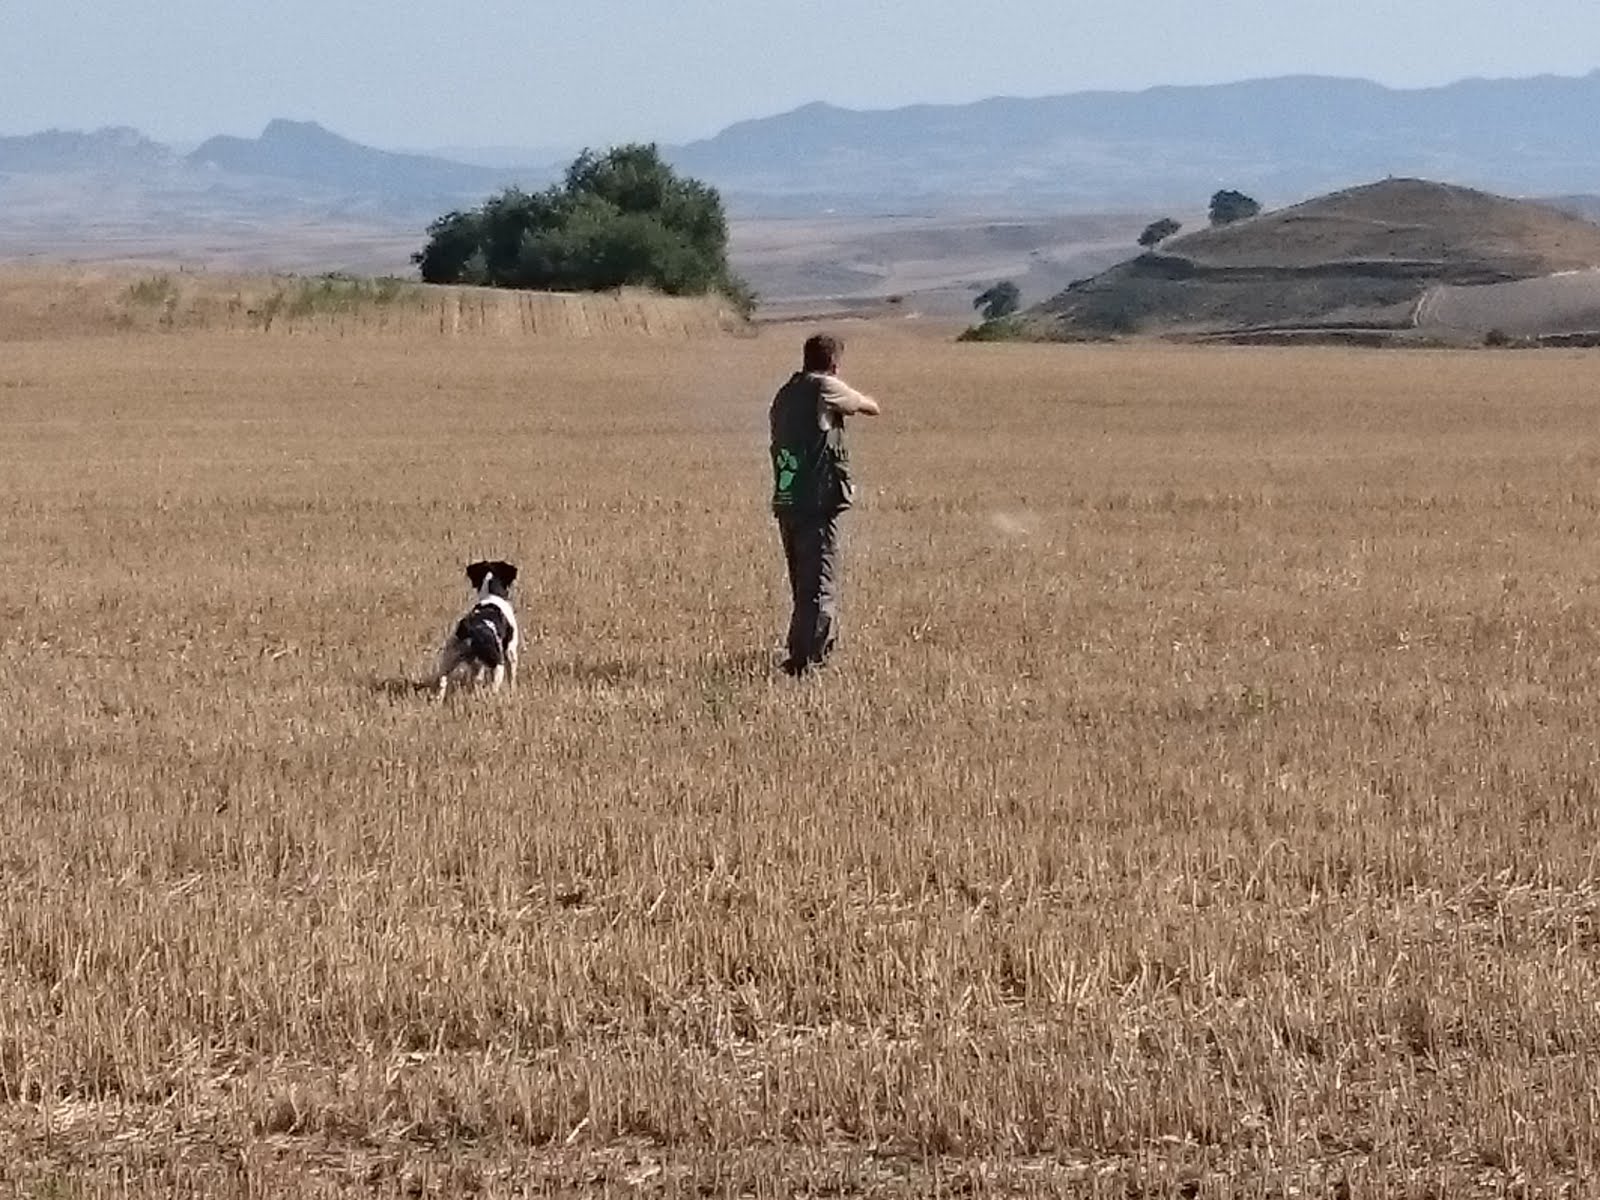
619	219
157	291
290	298
329	295
999	329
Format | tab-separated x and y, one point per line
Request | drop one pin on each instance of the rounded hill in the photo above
1365	259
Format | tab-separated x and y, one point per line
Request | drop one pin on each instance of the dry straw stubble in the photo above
1204	802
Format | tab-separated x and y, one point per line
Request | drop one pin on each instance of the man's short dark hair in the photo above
823	352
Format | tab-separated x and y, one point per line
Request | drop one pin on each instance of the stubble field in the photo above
1204	803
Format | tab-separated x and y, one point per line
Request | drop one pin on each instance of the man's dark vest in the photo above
810	467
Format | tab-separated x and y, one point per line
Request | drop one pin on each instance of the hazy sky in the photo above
422	73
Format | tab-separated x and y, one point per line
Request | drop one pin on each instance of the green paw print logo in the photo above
788	467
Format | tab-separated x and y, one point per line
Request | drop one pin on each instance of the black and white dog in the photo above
486	638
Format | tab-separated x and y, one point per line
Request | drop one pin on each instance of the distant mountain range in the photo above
296	168
1279	139
61	152
303	150
1162	150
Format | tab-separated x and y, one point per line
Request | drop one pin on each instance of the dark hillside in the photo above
1365	257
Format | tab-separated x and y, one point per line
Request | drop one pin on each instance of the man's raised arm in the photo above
845	400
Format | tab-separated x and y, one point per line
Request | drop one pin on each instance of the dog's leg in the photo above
449	660
512	654
496	676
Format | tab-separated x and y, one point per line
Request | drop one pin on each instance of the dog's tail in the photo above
484	640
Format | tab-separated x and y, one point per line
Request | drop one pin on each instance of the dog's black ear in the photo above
504	572
477	572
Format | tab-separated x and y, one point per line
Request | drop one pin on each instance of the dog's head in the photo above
492	578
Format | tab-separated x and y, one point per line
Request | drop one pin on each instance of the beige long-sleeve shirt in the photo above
839	399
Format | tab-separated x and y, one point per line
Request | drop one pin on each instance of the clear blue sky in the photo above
417	73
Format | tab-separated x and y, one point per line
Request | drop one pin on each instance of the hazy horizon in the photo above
399	74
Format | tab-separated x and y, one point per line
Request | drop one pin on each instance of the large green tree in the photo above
621	218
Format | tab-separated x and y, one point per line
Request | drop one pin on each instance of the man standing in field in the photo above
811	488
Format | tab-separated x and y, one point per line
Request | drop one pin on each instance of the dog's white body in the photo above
486	640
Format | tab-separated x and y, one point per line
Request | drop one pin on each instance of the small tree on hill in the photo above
1158	231
1230	206
999	302
618	219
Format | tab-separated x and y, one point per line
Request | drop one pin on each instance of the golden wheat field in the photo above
1203	803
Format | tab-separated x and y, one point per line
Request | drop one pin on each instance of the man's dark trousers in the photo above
811	548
